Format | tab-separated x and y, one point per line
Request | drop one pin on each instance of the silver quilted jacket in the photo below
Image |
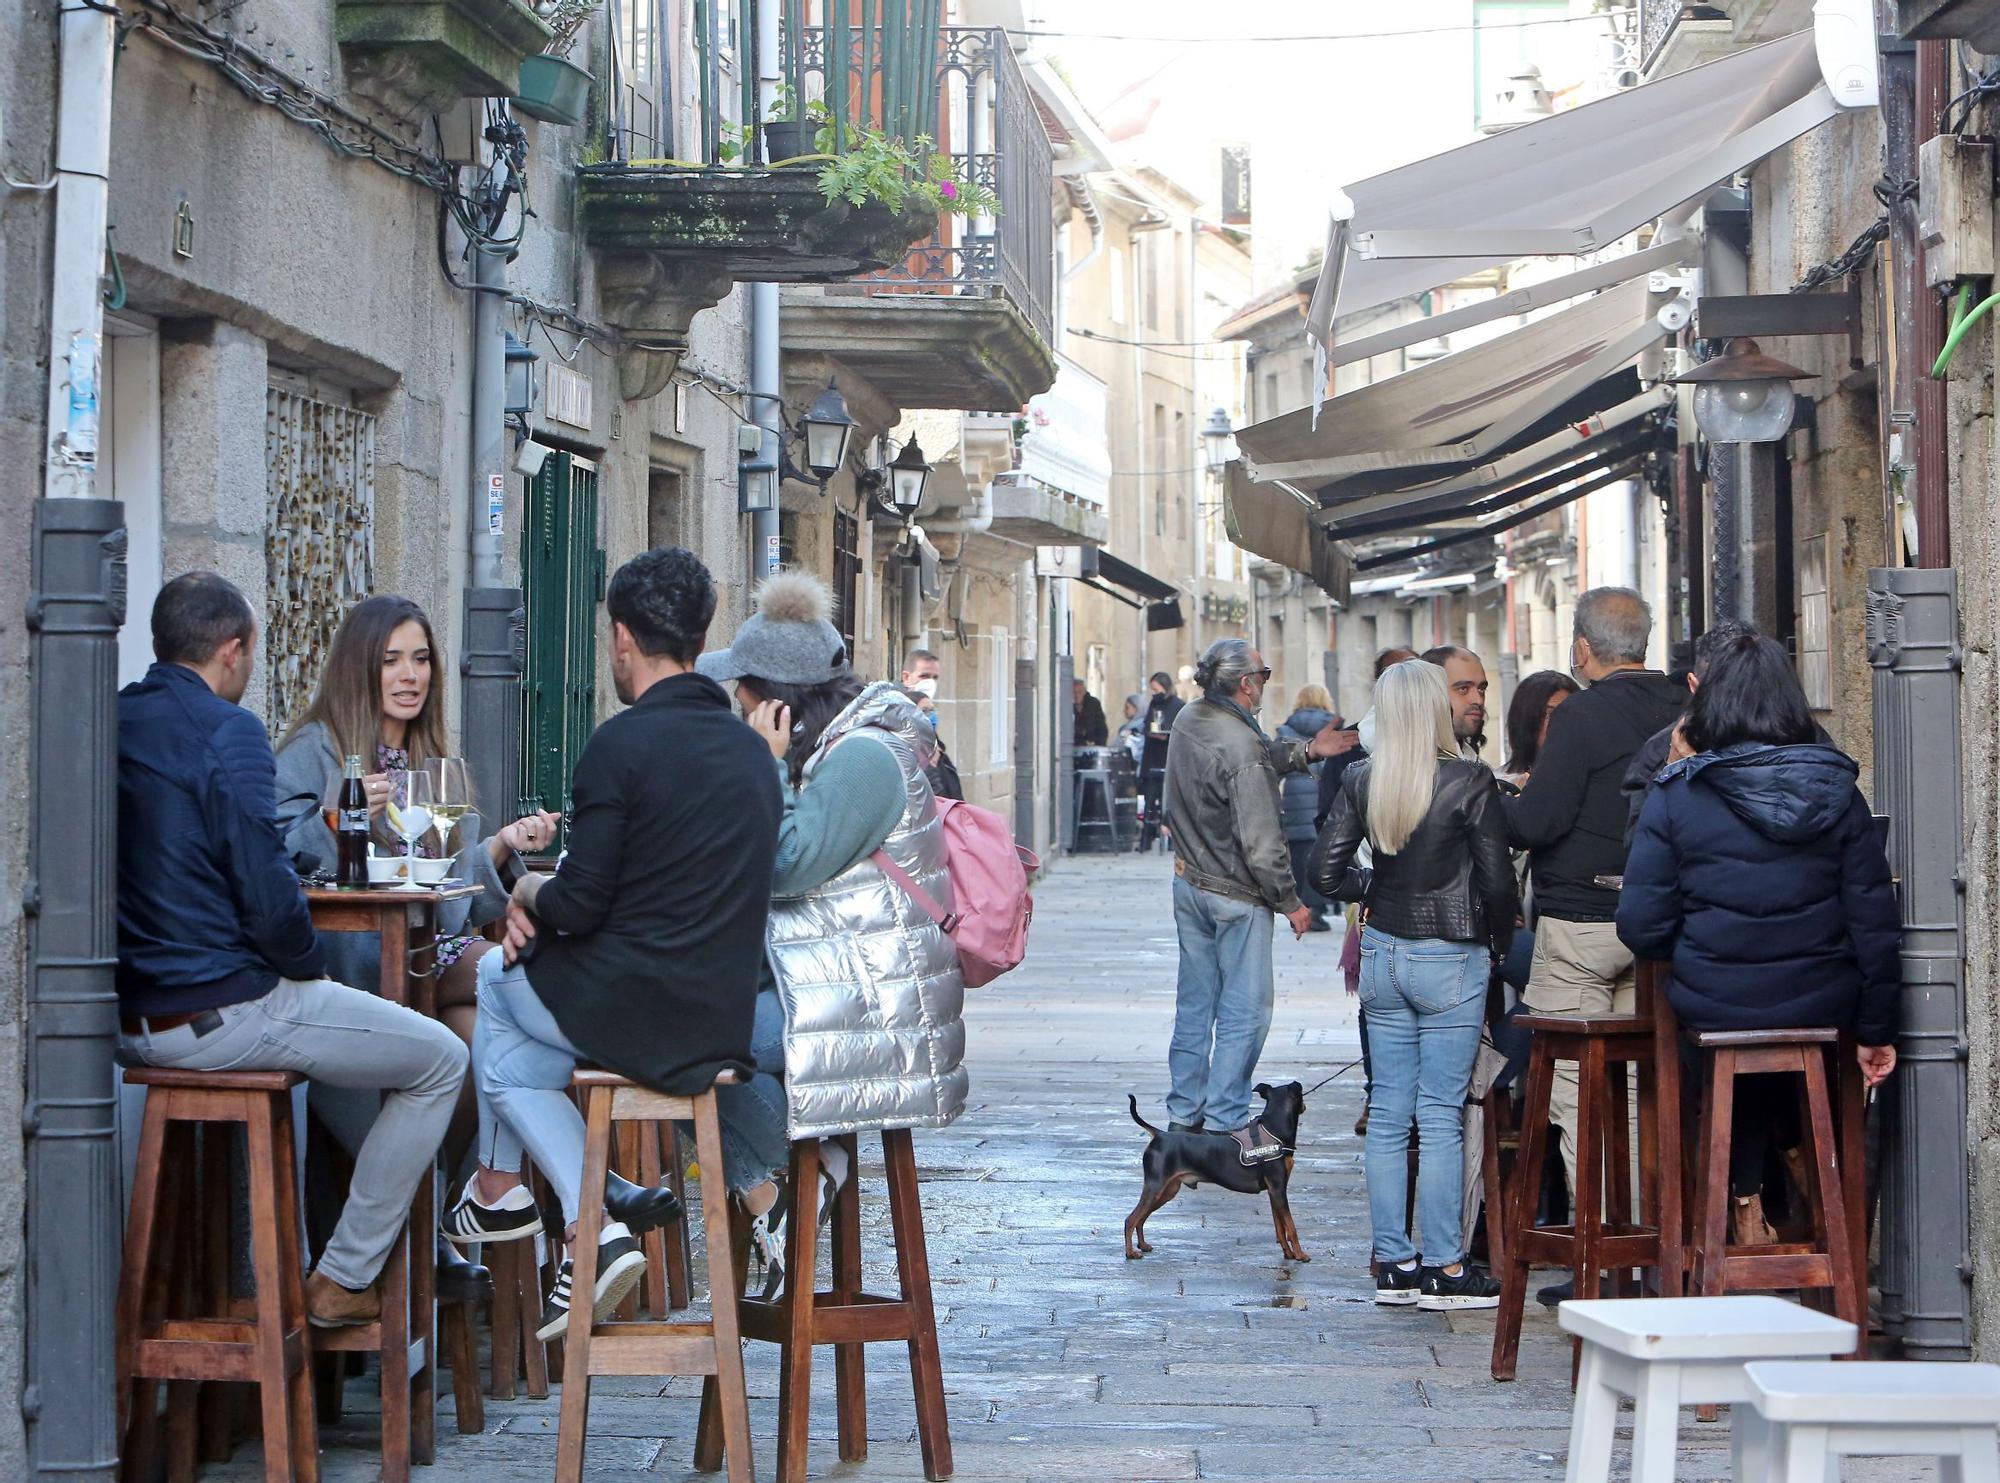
872	992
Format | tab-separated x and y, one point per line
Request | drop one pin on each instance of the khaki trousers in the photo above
1579	968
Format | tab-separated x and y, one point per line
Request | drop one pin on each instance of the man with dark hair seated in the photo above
642	952
219	968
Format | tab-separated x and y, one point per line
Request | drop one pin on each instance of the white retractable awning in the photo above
1274	521
1465	408
1570	184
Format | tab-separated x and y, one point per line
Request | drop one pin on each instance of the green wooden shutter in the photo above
562	575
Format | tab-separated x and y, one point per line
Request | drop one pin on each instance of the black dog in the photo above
1174	1159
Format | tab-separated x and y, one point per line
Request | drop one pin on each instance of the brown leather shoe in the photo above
1747	1225
331	1306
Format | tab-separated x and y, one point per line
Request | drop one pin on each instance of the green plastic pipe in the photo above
1961	325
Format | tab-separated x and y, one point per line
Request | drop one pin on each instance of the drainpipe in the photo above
766	367
495	617
1085	200
71	1246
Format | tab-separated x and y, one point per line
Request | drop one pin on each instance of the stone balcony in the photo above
422	54
970	353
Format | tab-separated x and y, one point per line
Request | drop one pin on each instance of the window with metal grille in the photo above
846	577
319	554
562	577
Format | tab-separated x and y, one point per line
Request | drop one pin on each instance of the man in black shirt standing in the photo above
642	952
1571	819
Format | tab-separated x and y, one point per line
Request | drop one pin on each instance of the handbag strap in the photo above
947	920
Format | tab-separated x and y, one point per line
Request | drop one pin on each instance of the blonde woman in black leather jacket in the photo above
1441	900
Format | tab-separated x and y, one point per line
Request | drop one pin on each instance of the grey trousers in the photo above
342	1037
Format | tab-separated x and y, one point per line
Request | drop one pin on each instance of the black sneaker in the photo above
1471	1288
468	1223
620	1265
1556	1293
1394	1287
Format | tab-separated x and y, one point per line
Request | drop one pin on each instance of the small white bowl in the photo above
392	870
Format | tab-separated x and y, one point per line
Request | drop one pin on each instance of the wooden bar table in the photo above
406	1335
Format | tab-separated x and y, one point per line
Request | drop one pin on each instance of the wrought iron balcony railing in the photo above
904	74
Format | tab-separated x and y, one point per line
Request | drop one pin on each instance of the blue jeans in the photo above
522	1063
752	1113
521	1067
1222	1007
1426	1000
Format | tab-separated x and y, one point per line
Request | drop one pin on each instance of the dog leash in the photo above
1318	1084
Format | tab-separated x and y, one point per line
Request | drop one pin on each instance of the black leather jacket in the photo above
1453	879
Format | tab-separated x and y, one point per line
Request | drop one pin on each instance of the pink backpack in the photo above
989	886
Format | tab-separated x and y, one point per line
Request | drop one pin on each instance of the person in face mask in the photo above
1232	871
921	669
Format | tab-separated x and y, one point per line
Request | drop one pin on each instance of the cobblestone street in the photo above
1209	1359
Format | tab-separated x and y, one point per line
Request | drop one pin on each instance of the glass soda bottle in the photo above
351	834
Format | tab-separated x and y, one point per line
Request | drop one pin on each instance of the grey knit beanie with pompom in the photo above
787	640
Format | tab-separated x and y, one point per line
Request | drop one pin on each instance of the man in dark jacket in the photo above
1091	729
648	940
1571	820
218	964
1163	708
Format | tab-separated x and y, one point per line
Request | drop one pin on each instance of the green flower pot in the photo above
554	90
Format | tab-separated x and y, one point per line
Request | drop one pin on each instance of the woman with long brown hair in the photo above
378	699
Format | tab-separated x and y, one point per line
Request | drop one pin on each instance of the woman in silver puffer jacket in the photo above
862	1014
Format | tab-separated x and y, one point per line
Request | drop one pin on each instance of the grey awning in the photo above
1571	184
1275	521
1405	506
1465	408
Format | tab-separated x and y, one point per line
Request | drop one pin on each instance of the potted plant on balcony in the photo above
553	88
908	178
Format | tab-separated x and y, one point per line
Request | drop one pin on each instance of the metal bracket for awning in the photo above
1488	530
1617	354
1677	252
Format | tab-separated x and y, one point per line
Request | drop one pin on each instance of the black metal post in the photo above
71	1119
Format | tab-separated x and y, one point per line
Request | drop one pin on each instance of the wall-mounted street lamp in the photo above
1215	436
1743	395
756	470
520	378
826	428
897	488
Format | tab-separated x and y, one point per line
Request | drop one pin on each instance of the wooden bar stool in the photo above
1604	1230
405	1364
517	1355
1830	1261
270	1349
846	1316
649	1347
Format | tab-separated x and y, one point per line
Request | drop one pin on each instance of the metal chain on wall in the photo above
319	472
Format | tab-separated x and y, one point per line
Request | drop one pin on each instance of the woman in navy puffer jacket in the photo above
1758	871
1298	794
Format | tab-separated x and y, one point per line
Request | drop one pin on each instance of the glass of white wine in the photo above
413	822
451	797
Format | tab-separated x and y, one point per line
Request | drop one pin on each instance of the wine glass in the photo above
451	796
413	822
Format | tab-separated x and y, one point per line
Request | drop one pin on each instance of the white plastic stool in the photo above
1666	1353
1804	1417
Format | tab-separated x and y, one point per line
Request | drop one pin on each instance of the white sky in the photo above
1316	114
